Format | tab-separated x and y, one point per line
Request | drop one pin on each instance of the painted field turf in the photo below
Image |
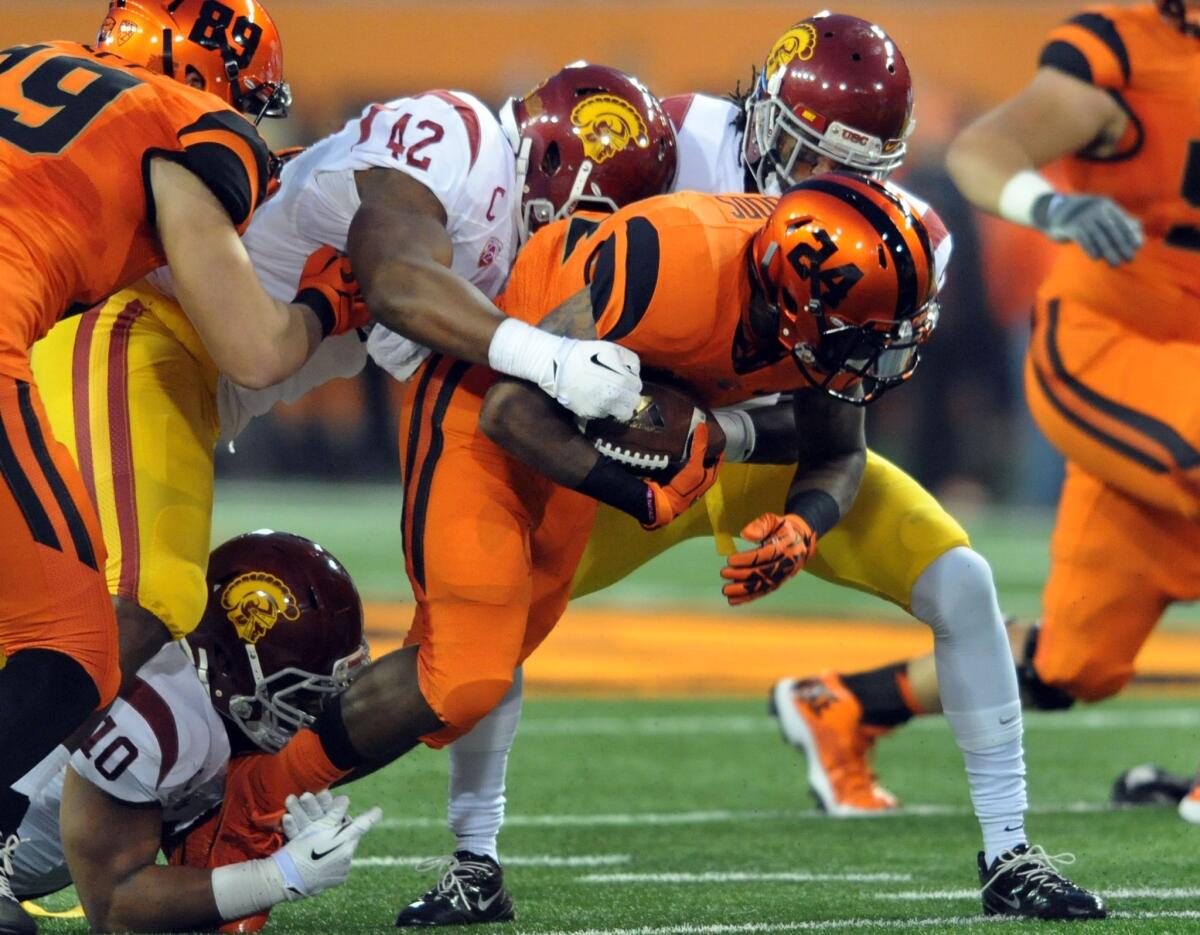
691	817
674	817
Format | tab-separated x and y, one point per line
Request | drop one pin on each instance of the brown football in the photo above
657	440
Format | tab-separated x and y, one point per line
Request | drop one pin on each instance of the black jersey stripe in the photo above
642	259
1105	30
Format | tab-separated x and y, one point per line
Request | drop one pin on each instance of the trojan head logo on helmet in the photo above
847	267
799	42
608	125
833	87
255	602
1177	12
230	48
282	632
588	137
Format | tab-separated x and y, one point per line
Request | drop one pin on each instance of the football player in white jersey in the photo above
834	93
282	632
430	197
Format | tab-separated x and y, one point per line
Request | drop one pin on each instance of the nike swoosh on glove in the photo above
785	544
595	379
667	501
328	287
321	842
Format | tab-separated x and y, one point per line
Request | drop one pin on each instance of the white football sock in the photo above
478	763
977	681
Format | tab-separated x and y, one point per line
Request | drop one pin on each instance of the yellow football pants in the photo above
881	546
130	391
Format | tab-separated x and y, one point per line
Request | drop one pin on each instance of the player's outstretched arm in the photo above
112	849
995	160
402	253
253	339
831	450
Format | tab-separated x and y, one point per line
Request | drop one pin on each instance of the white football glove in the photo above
321	842
595	379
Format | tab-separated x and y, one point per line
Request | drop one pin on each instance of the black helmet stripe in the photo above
919	227
902	258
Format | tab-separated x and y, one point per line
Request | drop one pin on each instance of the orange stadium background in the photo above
964	433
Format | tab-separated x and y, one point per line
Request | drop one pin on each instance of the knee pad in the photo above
1034	692
951	590
464	705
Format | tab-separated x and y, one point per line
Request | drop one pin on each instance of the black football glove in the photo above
1099	225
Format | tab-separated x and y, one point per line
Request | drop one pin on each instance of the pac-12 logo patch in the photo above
606	125
491	250
799	42
255	601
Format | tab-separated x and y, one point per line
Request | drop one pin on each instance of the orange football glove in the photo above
786	543
687	486
328	287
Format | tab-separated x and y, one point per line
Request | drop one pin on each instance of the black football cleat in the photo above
1149	785
14	920
1025	882
470	891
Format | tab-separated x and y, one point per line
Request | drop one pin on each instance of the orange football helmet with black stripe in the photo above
848	267
230	48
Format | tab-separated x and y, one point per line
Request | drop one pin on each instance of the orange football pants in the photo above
490	547
1125	411
52	591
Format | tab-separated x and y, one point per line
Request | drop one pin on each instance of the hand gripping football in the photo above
657	440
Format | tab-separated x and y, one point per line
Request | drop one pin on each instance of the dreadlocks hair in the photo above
1177	11
738	98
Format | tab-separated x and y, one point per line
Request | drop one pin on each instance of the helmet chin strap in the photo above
521	149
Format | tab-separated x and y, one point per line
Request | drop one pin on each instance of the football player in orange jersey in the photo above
1116	331
855	348
79	127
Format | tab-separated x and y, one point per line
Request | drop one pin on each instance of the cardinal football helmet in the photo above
833	86
587	137
230	48
848	267
282	632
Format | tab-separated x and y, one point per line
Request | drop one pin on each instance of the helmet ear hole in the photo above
193	79
551	159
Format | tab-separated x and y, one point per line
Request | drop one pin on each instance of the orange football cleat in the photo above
822	719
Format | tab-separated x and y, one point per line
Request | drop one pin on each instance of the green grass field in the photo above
690	816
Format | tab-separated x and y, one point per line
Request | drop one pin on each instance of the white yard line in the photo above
527	860
736	877
1182	718
1147	892
842	925
723	816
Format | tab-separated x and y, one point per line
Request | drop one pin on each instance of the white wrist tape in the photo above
247	888
522	351
1020	194
740	436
